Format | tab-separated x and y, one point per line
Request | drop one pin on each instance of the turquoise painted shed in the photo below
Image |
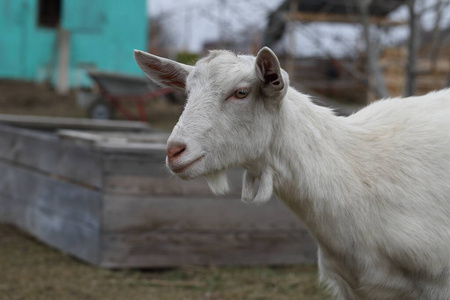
38	37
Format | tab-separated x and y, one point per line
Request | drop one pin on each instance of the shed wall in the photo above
102	36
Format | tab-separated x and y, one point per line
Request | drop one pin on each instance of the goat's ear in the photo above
268	71
163	71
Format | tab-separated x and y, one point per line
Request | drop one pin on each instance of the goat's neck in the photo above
313	166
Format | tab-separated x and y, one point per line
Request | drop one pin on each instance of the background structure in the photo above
58	40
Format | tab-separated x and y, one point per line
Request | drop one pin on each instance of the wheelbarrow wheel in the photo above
175	98
100	110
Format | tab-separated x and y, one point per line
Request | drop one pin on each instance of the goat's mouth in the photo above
182	168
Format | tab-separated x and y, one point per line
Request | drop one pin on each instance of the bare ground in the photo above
31	270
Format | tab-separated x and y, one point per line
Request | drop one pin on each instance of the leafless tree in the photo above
375	76
410	74
435	47
438	8
160	40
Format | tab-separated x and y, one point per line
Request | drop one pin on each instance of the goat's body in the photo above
374	190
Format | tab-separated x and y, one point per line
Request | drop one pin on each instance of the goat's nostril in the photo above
175	150
179	152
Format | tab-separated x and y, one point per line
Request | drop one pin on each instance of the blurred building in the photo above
333	11
433	63
58	40
335	68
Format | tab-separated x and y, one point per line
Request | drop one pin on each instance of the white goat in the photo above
372	188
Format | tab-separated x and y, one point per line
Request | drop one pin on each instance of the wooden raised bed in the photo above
107	199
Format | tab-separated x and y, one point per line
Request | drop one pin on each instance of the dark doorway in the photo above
49	13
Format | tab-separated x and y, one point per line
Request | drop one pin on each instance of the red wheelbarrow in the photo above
114	89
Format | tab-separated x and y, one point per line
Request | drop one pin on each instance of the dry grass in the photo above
31	270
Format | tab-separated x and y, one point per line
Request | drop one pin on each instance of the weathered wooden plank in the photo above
146	174
61	214
164	184
140	185
148	137
54	229
71	201
341	18
170	249
204	214
130	148
38	122
13	212
46	153
5	210
149	164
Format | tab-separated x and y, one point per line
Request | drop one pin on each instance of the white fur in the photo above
218	182
373	188
251	192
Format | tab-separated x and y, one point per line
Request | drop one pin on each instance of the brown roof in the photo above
277	20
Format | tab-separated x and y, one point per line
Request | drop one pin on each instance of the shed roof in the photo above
277	19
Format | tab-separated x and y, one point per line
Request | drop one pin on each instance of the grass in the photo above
31	270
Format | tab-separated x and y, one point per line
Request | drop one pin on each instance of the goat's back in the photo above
406	156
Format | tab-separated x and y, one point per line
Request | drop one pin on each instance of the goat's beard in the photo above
218	182
251	190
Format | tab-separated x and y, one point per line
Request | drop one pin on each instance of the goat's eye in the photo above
240	93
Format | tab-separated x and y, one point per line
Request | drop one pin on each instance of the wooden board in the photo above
342	18
114	142
147	137
170	249
70	201
64	234
147	174
54	229
52	123
195	213
64	215
158	185
45	153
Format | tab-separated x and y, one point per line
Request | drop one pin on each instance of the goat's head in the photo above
228	118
